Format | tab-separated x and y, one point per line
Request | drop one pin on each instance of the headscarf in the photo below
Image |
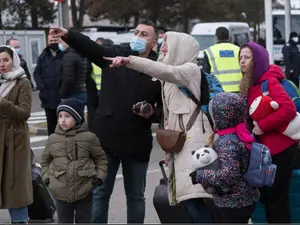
8	80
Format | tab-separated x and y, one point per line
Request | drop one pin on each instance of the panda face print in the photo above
203	157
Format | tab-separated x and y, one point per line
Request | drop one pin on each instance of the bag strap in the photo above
193	118
196	112
190	95
264	88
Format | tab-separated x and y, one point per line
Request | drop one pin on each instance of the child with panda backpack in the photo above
73	163
228	111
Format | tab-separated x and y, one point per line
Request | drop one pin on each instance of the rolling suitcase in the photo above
166	212
43	207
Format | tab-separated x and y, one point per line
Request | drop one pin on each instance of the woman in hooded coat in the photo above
176	65
255	66
15	155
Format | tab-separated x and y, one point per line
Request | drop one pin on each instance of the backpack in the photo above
210	86
294	93
261	172
290	88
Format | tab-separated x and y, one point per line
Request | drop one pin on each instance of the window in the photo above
247	37
241	39
279	27
35	47
238	40
205	41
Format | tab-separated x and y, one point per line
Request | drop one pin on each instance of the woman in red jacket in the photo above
255	66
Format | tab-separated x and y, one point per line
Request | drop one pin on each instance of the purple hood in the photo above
261	60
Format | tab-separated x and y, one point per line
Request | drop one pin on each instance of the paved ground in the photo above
36	105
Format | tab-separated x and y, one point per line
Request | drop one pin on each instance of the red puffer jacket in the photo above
274	140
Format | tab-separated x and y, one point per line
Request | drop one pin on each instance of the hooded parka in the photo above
178	67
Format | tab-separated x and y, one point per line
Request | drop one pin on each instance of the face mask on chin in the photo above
61	47
138	44
53	46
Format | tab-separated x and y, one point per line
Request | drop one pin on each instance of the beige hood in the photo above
182	48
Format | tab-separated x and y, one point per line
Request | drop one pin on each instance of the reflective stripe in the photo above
212	58
225	72
230	83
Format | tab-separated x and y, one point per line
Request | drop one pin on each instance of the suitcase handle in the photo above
163	171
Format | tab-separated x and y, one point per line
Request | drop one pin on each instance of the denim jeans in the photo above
80	96
134	177
198	211
18	215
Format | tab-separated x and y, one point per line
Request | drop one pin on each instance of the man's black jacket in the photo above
74	69
291	57
47	75
120	131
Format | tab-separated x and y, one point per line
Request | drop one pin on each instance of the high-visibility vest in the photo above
97	75
224	62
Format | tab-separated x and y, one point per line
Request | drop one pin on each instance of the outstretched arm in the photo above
181	74
87	47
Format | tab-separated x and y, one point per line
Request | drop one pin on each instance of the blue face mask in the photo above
17	50
138	44
61	47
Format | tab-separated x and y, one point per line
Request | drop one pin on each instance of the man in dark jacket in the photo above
73	75
125	134
46	75
93	84
291	57
13	42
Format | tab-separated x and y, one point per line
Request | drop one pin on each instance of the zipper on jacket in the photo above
76	151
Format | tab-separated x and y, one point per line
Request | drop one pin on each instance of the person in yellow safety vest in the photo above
222	61
96	75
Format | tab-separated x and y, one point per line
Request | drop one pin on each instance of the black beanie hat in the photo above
293	34
74	107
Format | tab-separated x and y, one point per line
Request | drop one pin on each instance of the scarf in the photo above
8	80
242	132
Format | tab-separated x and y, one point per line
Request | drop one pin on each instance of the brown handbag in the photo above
172	141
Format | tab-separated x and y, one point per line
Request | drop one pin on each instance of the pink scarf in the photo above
241	131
